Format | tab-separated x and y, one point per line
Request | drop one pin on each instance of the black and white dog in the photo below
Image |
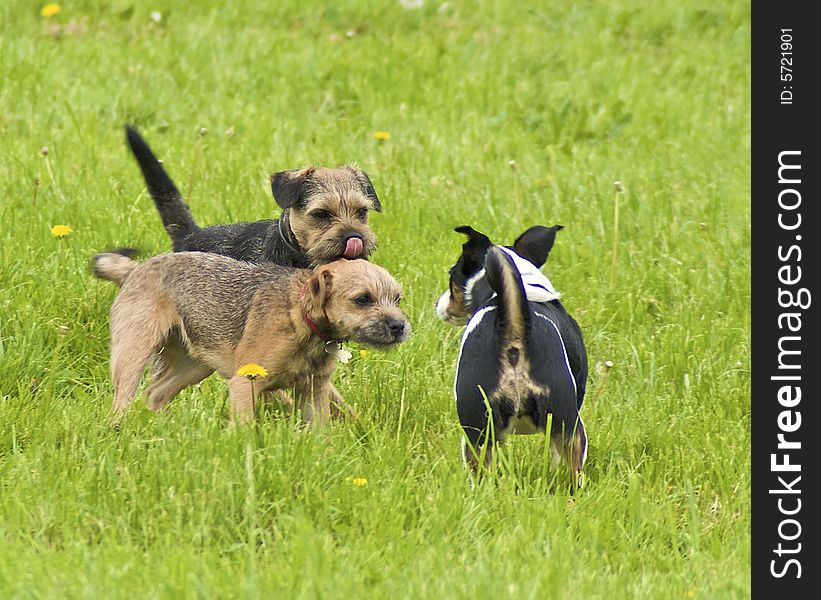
521	351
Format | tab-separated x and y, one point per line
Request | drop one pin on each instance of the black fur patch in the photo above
535	243
513	356
289	187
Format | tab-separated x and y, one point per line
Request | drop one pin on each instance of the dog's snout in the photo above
442	306
396	327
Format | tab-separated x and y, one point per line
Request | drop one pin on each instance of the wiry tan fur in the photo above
114	266
204	312
342	193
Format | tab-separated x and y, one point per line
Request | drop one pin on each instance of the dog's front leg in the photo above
243	394
339	408
315	401
282	397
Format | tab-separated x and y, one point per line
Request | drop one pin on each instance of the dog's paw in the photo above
343	411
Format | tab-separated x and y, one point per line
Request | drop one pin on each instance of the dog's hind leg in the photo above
477	449
175	370
568	439
138	330
130	355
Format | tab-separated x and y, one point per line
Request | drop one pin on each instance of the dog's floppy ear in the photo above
367	186
473	250
320	286
288	187
535	243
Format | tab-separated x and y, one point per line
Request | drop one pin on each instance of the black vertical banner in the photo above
785	272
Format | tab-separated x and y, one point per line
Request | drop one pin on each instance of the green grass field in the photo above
579	95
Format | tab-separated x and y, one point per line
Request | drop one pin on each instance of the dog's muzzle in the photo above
395	331
397	328
442	306
443	313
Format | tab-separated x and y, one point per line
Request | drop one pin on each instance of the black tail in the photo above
174	212
513	313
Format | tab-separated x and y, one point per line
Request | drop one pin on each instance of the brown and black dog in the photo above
324	215
204	313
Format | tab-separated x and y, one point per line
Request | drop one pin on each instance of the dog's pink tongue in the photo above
353	247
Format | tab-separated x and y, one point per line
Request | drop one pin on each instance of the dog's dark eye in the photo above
362	214
397	300
321	215
363	300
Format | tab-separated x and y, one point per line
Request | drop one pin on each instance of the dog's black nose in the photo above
397	327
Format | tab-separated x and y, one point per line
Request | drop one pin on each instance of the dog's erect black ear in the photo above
535	243
473	250
475	238
367	186
288	187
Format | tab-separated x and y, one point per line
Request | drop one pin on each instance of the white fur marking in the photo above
442	306
584	454
469	286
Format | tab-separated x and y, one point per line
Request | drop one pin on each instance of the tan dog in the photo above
204	313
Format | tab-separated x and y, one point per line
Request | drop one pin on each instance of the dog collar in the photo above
315	328
285	236
332	347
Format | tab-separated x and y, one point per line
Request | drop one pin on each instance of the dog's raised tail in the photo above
513	314
174	212
115	265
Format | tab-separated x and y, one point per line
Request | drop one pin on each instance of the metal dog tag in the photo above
336	349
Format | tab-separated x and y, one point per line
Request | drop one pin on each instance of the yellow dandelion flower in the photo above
382	136
49	10
60	231
252	371
359	481
363	353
